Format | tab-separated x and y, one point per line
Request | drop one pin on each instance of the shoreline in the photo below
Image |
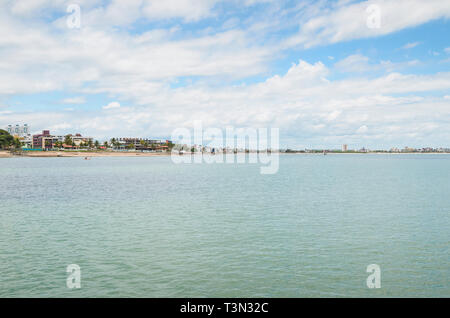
70	154
368	153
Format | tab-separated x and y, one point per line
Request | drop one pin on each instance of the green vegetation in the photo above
7	141
114	143
68	140
144	143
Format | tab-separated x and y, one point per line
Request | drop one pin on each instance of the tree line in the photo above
7	141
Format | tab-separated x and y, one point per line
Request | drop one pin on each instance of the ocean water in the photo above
146	227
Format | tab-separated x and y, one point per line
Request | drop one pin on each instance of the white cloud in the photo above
37	60
116	13
61	126
358	63
362	130
30	8
347	22
253	2
189	10
354	63
333	115
112	105
410	45
74	100
302	102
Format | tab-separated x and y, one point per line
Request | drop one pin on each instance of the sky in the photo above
373	74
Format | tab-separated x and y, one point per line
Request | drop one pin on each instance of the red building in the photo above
43	140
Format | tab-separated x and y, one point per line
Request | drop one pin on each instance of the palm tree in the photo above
48	144
144	144
97	144
17	143
113	143
68	140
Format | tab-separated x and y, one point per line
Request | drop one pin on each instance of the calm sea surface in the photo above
145	227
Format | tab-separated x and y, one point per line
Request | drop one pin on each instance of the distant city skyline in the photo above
379	79
24	131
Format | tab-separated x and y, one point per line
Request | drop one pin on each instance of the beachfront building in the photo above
408	149
344	148
45	140
140	144
78	139
37	139
27	141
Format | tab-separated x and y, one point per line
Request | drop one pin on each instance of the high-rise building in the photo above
18	130
344	147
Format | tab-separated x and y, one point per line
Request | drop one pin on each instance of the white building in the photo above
27	141
77	139
18	130
22	132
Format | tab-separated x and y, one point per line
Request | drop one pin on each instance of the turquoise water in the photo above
145	227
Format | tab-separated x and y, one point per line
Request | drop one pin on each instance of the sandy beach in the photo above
7	154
